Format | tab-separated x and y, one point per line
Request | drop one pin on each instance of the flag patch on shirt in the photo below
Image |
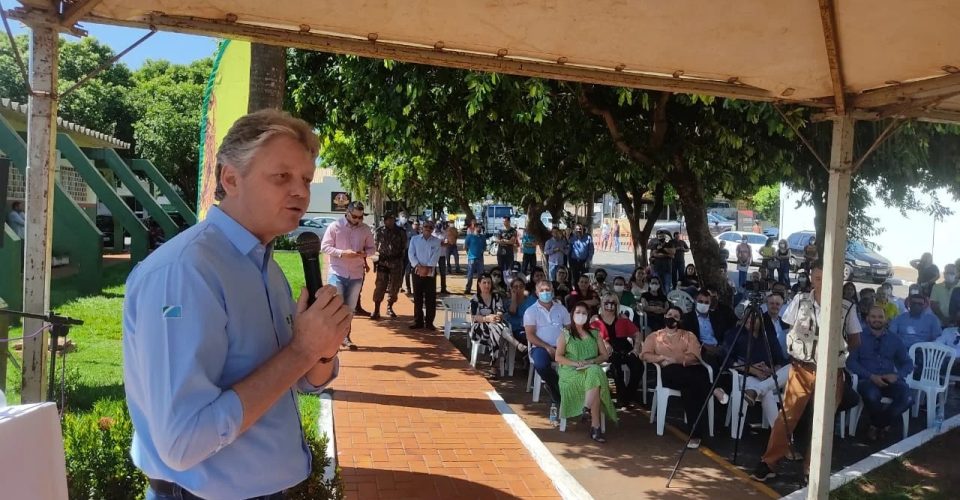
172	311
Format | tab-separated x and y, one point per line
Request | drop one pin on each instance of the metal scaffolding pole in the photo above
41	168
835	241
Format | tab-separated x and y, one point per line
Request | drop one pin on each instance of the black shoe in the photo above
349	344
585	416
416	326
359	311
596	435
375	316
431	328
444	292
762	473
390	312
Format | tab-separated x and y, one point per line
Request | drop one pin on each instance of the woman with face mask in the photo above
654	303
584	390
583	293
601	285
802	285
850	291
623	342
624	296
489	326
561	287
783	262
677	352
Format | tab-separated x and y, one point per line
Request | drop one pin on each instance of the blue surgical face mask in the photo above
545	296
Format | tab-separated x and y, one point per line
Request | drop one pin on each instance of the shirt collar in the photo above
241	237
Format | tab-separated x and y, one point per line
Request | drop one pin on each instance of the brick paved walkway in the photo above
413	420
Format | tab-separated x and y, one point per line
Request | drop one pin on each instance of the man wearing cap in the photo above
348	242
391	243
423	254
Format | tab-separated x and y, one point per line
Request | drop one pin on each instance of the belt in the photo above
166	488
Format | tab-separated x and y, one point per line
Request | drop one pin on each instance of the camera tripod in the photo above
753	316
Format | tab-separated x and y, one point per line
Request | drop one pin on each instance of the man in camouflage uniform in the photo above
391	241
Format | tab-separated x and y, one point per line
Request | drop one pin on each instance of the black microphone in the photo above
308	244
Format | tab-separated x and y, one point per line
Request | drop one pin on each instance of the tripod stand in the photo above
754	317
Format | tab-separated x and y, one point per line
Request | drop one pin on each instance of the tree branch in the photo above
659	134
614	129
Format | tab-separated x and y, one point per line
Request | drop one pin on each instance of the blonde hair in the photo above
251	132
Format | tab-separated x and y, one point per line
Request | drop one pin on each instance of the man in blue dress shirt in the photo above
918	324
214	348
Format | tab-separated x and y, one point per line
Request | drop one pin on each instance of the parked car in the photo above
316	225
755	240
723	208
860	261
717	223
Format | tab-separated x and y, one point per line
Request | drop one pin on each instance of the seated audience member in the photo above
654	302
624	296
887	289
536	276
544	322
489	327
499	286
917	324
709	326
516	304
678	353
882	364
940	294
561	286
772	322
583	292
761	365
618	332
802	285
890	310
690	280
584	389
638	283
601	285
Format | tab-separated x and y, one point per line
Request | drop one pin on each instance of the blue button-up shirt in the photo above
924	328
707	336
424	252
581	248
880	356
556	250
201	314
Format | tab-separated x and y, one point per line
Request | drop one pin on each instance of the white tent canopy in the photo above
855	59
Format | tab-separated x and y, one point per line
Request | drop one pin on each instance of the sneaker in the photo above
390	313
721	396
762	473
694	443
349	344
794	456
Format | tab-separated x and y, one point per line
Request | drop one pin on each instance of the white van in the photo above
493	217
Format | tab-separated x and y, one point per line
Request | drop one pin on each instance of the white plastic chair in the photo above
934	381
734	410
456	314
681	299
626	311
534	382
856	413
949	338
603	422
658	410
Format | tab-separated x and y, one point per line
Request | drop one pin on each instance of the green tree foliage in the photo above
766	201
167	100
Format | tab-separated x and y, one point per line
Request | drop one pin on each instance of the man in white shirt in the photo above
544	322
424	253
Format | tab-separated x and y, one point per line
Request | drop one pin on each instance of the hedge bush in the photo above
97	449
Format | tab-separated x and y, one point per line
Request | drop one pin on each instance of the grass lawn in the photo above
94	368
929	472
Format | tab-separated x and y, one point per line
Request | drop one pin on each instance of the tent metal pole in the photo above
41	170
835	242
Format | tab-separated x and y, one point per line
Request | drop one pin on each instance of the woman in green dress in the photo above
584	388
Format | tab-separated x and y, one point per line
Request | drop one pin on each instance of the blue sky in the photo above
173	47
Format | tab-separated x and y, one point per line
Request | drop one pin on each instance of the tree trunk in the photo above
534	224
818	198
466	209
268	77
703	246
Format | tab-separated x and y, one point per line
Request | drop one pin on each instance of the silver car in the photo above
316	225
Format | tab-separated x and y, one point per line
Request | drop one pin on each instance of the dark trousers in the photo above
163	490
577	268
407	275
542	362
883	415
679	268
626	389
453	252
694	386
442	264
505	261
388	281
424	299
529	262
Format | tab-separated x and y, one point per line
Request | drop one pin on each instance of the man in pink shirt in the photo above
347	243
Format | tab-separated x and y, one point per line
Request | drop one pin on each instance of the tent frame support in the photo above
41	171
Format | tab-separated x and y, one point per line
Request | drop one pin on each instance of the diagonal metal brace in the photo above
108	63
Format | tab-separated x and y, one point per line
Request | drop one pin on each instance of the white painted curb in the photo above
325	424
568	487
881	457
